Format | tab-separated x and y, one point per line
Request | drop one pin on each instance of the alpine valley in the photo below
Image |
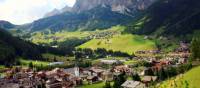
105	44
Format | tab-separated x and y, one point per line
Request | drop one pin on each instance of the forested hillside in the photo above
174	17
12	47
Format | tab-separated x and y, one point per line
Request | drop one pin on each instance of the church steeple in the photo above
76	70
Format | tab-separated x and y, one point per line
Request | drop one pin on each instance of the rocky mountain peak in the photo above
116	5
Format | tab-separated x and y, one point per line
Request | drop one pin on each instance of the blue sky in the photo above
26	11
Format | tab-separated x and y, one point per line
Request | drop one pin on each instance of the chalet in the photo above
148	52
133	84
148	79
56	63
122	68
97	72
77	81
53	83
92	79
109	62
107	75
184	47
73	71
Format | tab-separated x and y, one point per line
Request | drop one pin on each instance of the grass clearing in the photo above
130	62
35	62
2	67
126	43
95	85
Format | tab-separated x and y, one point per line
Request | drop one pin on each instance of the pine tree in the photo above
107	85
119	80
162	74
30	65
195	48
136	77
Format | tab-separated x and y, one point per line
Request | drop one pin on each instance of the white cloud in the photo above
25	11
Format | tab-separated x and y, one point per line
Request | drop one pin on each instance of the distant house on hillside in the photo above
133	84
149	79
56	63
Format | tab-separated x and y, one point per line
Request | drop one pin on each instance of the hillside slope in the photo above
11	47
125	43
96	18
6	24
90	15
188	80
174	17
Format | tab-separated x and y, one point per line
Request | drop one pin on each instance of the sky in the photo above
26	11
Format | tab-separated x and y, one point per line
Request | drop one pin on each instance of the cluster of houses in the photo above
72	77
66	78
104	34
148	52
27	78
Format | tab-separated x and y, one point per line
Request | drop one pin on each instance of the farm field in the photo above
126	43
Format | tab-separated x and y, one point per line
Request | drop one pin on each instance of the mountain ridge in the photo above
6	25
82	16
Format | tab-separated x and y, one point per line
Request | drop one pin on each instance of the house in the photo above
122	68
10	85
110	62
30	82
92	79
148	79
53	83
97	72
107	75
133	84
73	71
56	63
20	75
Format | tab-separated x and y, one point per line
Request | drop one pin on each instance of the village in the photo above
142	74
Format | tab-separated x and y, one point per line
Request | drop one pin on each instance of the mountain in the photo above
66	9
122	6
96	18
6	25
52	13
57	11
91	15
169	17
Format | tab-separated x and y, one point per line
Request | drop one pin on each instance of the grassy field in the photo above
35	63
2	67
190	79
48	37
125	43
130	62
95	85
40	37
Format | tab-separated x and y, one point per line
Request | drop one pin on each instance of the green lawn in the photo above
39	37
130	62
125	43
95	85
191	78
2	67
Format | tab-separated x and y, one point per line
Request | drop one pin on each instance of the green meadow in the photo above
24	62
190	79
126	43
